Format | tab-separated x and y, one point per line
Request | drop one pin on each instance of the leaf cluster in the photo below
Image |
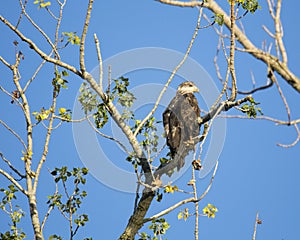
210	210
251	108
66	114
249	5
15	214
87	98
42	3
69	203
100	116
171	189
120	92
43	114
149	133
183	214
9	195
58	81
219	19
72	38
159	226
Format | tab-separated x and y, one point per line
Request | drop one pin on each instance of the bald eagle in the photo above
180	119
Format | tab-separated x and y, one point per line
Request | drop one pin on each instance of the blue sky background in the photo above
254	174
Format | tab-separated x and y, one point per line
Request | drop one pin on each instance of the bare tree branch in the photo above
33	46
232	51
282	97
13	181
100	61
14	133
185	201
11	166
21	14
194	186
257	221
38	28
293	143
280	67
46	144
83	35
108	137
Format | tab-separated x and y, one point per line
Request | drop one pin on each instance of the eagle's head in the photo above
187	87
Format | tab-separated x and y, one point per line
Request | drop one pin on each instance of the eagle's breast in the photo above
180	120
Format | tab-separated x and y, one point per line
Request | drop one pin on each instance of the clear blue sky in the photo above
254	174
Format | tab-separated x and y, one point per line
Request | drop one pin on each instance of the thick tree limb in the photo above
136	220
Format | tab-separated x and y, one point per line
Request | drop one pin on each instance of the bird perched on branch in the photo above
180	119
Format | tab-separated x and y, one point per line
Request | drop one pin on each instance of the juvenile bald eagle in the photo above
180	119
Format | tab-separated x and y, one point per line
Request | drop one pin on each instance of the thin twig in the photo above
21	14
282	97
35	74
11	166
99	60
83	35
47	141
279	33
13	181
196	231
39	29
277	121
210	183
72	120
108	137
51	207
58	24
14	133
185	201
108	81
293	143
255	226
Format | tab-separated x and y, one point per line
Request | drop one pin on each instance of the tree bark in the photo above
136	221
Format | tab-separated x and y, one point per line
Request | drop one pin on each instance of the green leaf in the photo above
42	3
65	73
87	98
46	4
219	19
250	5
159	197
72	38
101	116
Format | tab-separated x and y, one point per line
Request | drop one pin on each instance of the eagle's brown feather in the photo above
180	121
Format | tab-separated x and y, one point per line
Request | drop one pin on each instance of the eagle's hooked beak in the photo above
195	89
